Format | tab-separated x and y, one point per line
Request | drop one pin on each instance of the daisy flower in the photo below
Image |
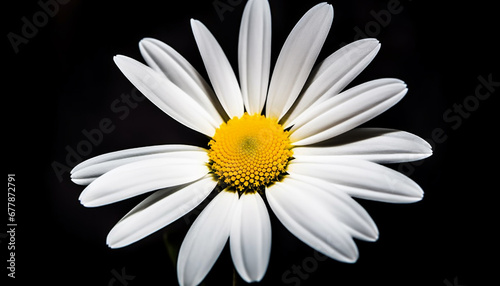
289	138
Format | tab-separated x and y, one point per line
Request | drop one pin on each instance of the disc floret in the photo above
250	152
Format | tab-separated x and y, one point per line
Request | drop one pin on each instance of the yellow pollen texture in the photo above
250	152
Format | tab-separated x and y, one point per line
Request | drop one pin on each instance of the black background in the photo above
63	81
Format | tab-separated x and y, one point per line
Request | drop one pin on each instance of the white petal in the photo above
354	217
346	111
219	70
377	145
297	58
254	54
144	176
179	71
359	178
158	210
87	171
250	238
334	74
167	96
206	239
306	211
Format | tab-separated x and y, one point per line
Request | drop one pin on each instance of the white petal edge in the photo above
89	170
350	213
346	111
144	176
158	210
359	178
219	70
302	209
334	74
250	238
254	54
167	96
206	238
297	58
379	145
163	58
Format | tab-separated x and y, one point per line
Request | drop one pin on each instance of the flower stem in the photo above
235	277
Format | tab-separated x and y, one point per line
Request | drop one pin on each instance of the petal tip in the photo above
86	201
415	197
112	242
144	43
352	260
120	60
330	10
147	39
370	40
194	21
80	181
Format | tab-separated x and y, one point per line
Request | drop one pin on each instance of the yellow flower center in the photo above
250	152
